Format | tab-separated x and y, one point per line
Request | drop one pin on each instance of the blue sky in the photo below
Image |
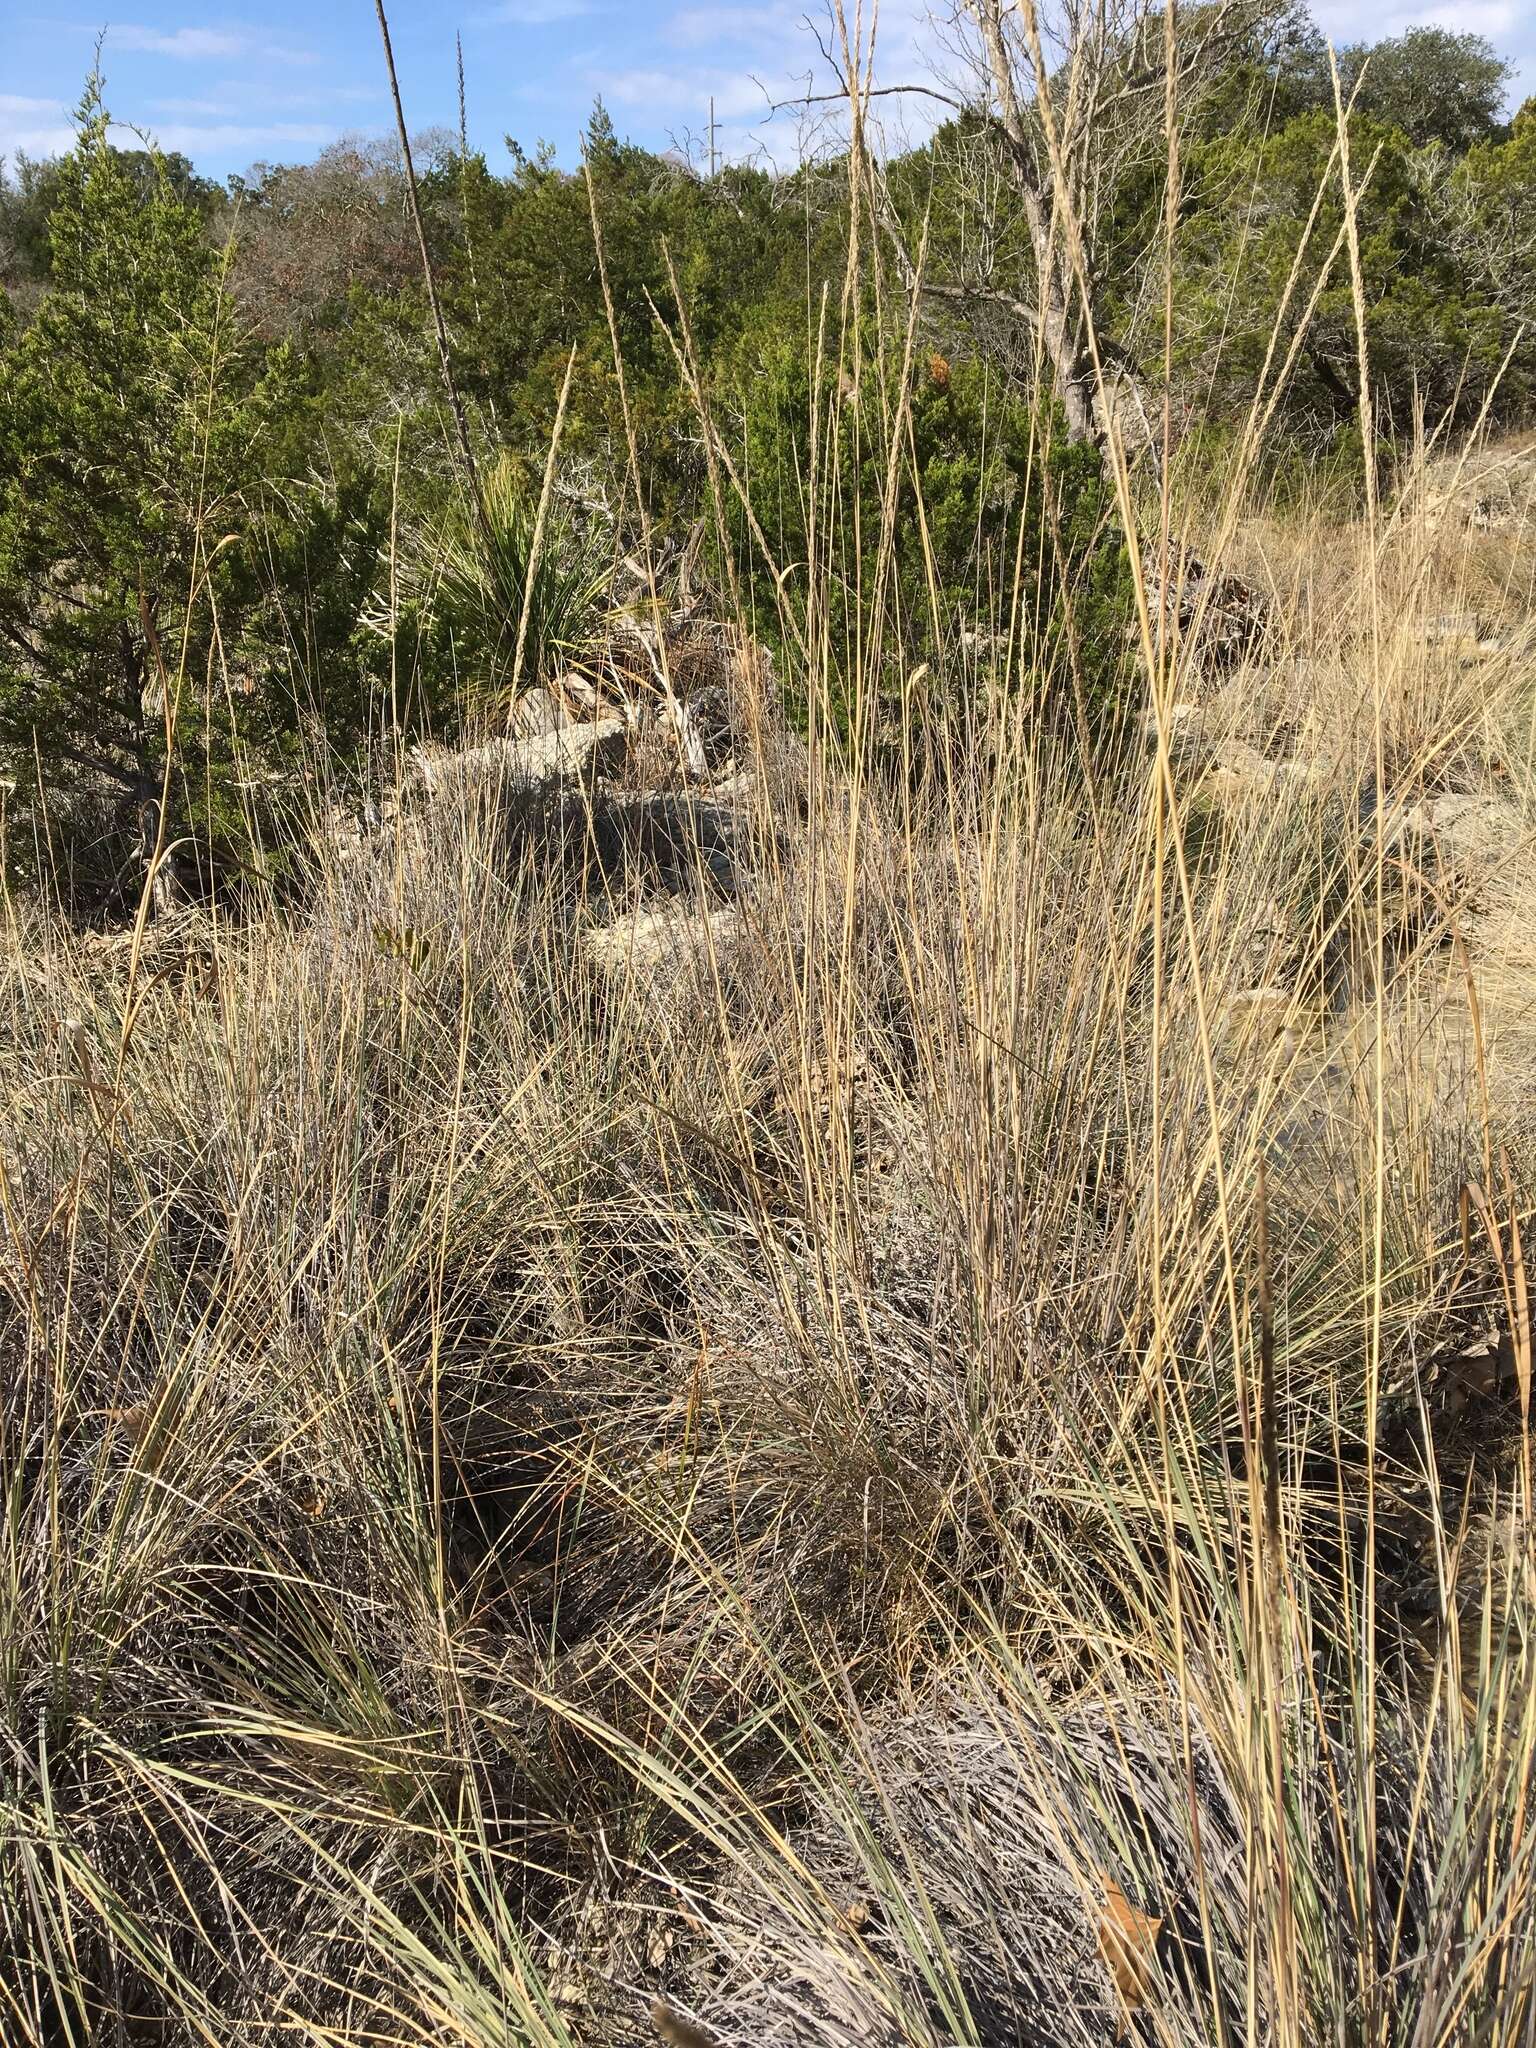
280	80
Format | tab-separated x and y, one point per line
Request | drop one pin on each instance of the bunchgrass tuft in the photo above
943	1459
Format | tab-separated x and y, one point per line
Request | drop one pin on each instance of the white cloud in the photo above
694	27
33	127
202	140
532	13
758	62
329	97
202	45
35	142
201	109
683	91
743	58
195	43
39	127
235	100
1509	25
1351	21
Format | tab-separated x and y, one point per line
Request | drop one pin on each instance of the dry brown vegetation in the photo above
935	1453
810	1404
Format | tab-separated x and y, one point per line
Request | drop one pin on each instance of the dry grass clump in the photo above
794	1486
825	1405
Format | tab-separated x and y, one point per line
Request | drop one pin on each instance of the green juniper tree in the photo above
1437	327
136	429
30	188
1435	84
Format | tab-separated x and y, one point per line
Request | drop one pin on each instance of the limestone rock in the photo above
566	701
1460	636
677	839
1490	491
564	753
1257	1017
572	752
659	946
1475	829
1244	771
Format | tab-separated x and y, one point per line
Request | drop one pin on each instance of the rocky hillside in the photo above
707	1392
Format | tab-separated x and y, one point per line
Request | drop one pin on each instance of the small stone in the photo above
571	751
1243	770
1458	634
1259	1016
564	753
657	946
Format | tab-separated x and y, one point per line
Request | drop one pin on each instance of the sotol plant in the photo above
520	596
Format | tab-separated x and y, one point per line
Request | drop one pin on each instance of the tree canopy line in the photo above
231	522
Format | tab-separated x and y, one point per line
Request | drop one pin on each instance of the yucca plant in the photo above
523	589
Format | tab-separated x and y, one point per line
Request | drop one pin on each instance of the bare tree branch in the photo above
877	92
984	295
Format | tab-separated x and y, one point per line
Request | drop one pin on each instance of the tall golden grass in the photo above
955	1469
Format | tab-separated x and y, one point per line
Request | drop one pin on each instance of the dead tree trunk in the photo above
1113	87
1060	320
